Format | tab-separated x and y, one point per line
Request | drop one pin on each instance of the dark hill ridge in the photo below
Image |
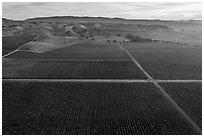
179	31
190	25
85	19
107	18
113	20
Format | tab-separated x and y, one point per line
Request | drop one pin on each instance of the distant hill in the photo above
181	31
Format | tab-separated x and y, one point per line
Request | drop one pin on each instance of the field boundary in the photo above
101	80
72	59
177	81
121	47
9	53
19	47
149	77
79	80
162	50
163	92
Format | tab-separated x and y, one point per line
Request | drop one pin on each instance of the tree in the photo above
137	38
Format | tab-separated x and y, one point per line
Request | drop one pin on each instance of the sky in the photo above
127	10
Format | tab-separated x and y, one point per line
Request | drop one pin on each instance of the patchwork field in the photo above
10	43
88	108
171	64
72	69
78	51
188	96
87	78
158	46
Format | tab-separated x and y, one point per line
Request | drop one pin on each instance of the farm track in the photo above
128	53
63	60
78	80
102	80
20	47
164	93
10	53
177	81
121	47
162	50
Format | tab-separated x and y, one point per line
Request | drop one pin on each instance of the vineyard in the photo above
78	51
159	46
73	69
102	89
171	64
188	96
88	108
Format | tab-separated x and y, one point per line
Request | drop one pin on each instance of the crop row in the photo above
72	69
78	51
158	46
188	96
88	108
171	64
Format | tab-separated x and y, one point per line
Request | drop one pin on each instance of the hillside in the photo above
188	32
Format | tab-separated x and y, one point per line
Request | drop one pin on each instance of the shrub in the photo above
134	38
13	25
34	22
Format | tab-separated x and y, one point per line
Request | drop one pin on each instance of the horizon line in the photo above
75	16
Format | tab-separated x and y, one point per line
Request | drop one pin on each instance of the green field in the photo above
88	108
158	46
188	96
171	64
72	69
10	43
78	51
